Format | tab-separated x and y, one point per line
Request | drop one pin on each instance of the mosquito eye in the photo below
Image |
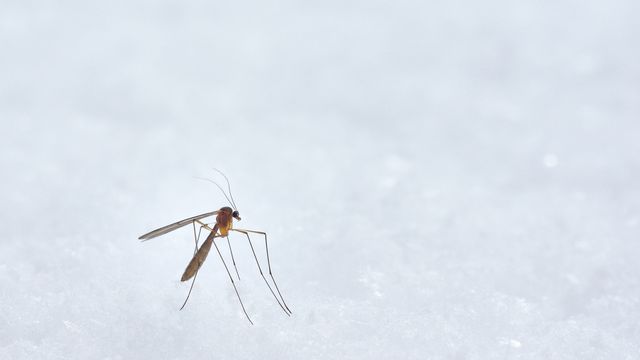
236	214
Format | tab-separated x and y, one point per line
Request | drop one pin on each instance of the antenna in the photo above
228	187
216	184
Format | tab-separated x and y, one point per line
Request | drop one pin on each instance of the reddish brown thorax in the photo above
224	219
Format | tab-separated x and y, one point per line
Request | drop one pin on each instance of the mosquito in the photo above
221	227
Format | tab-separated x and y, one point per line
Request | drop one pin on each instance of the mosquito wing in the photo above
176	225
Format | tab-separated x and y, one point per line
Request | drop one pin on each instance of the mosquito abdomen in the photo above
199	257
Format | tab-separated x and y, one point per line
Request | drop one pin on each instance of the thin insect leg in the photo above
196	239
232	258
206	226
269	265
232	282
261	273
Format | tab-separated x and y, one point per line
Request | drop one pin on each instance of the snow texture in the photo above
439	180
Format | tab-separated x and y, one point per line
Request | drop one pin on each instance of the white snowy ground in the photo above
450	180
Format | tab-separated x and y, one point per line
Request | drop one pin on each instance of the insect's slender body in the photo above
221	228
224	223
200	256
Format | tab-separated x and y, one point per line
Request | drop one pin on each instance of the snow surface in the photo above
439	180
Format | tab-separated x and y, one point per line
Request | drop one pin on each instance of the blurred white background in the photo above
439	180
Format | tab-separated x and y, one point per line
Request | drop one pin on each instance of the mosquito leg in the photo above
206	226
266	246
196	239
189	293
232	282
261	273
232	258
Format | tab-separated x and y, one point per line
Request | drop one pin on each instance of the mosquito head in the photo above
236	215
